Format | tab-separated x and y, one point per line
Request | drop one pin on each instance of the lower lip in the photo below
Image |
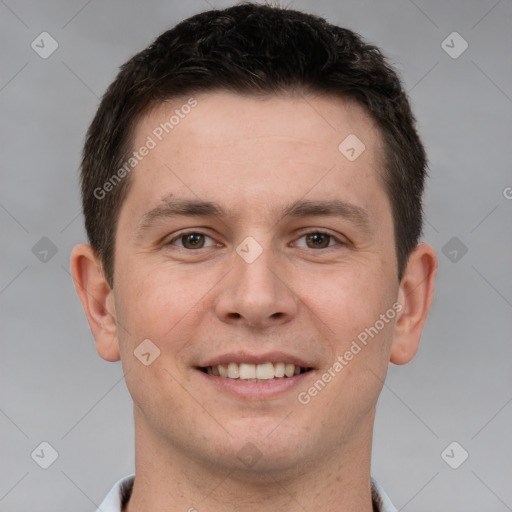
256	390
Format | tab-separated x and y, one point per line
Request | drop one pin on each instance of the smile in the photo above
255	372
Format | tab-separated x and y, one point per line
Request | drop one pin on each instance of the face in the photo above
249	240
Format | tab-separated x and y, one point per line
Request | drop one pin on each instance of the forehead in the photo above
257	150
221	118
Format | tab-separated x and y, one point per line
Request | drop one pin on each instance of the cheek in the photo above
161	302
348	308
348	300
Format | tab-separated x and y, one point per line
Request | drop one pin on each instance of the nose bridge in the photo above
256	292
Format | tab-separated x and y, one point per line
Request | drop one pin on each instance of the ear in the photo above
416	292
97	300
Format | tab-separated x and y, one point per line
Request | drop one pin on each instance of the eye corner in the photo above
172	240
339	240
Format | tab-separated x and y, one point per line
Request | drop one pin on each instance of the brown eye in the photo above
192	240
318	240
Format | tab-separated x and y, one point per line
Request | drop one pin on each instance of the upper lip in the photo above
251	358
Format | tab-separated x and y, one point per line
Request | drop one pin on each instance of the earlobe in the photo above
97	300
416	293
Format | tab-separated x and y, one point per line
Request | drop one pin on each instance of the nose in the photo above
256	294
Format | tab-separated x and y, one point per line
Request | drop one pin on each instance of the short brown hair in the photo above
253	49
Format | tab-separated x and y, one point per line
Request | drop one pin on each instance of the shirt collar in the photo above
119	495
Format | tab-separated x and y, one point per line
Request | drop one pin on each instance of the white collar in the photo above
113	500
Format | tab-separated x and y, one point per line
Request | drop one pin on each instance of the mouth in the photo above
249	372
250	376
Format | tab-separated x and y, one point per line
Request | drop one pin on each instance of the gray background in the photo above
55	388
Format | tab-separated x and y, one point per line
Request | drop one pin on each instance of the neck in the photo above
169	479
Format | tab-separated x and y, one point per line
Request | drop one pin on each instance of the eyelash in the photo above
313	232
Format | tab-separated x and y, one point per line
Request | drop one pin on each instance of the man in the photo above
252	188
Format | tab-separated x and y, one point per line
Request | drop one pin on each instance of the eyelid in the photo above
180	235
338	238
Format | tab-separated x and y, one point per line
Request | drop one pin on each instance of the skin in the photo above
252	156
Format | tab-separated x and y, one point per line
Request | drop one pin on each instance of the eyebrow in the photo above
176	207
331	208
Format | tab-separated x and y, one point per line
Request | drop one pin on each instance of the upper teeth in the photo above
246	371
